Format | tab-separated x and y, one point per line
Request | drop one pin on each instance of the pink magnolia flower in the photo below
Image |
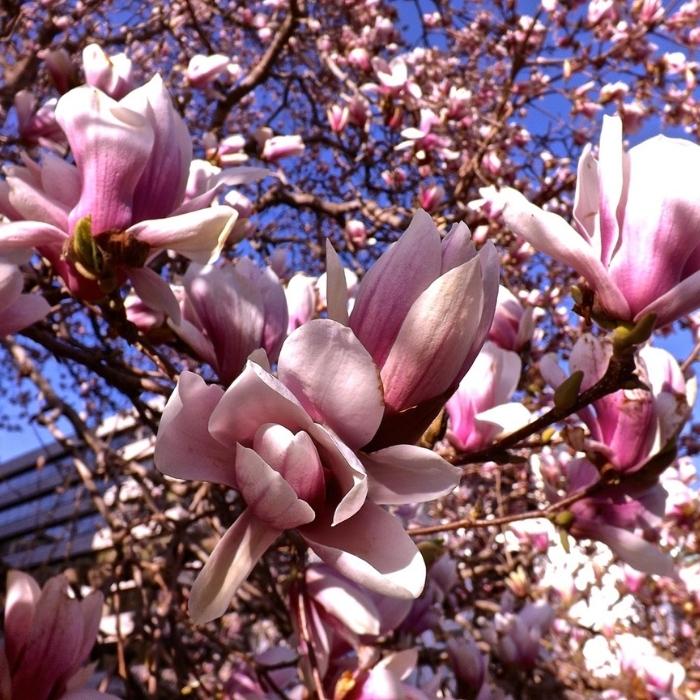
517	636
35	124
61	69
47	639
384	681
513	326
112	75
98	221
628	426
290	446
359	58
479	411
422	311
277	147
638	654
430	197
229	312
633	237
203	70
17	310
356	231
337	118
469	664
301	300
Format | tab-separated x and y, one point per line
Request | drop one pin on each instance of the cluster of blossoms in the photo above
334	411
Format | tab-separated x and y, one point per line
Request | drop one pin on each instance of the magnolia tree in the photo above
386	282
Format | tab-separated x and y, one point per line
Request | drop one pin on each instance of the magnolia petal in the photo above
678	301
371	549
347	469
611	158
34	204
184	448
334	378
636	551
17	239
342	599
590	355
91	614
162	185
336	287
190	334
501	420
586	199
266	493
26	310
393	283
253	399
428	354
11	283
155	292
457	247
400	663
550	234
23	593
408	474
228	566
111	145
198	235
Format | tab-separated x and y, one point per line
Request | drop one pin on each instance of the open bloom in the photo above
422	311
47	639
634	234
98	221
479	409
17	310
229	312
290	445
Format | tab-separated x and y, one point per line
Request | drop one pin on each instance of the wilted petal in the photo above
408	474
228	566
111	145
371	549
184	448
334	378
199	235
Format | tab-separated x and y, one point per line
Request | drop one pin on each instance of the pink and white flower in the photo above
17	310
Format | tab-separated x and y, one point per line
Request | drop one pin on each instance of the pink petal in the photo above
586	199
408	474
60	180
371	549
161	188
184	448
255	398
636	551
11	283
678	301
393	283
590	355
611	175
550	234
17	239
190	334
436	335
155	292
342	599
228	566
111	145
26	310
457	247
266	493
229	308
347	469
661	220
23	593
34	204
336	287
199	235
334	378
